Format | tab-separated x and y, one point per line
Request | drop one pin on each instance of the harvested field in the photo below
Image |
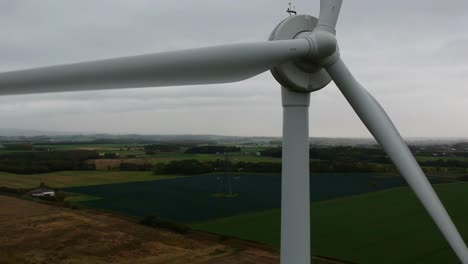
63	179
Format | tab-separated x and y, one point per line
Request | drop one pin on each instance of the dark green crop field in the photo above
192	199
383	227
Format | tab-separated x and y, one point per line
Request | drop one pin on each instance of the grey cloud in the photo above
412	55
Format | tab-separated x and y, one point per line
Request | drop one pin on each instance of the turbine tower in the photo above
303	56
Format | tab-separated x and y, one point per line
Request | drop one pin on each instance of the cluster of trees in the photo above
154	148
212	149
349	166
258	167
445	163
163	147
272	152
191	166
41	162
129	166
342	153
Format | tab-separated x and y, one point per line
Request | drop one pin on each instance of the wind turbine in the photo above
303	56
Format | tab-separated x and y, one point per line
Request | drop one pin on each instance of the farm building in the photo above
42	192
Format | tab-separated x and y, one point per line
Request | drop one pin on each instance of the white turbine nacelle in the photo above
304	74
303	56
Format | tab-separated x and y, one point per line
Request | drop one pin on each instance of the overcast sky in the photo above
411	55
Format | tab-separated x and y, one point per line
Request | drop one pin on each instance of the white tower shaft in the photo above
295	194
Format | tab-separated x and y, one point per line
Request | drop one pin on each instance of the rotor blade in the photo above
382	128
329	12
220	64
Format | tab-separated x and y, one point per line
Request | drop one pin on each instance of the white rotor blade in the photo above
220	64
382	128
329	12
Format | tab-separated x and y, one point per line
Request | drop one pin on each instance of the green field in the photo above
384	227
120	149
77	178
90	145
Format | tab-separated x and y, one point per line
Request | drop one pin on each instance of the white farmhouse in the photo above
42	192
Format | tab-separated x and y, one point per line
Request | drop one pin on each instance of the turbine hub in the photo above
304	75
324	48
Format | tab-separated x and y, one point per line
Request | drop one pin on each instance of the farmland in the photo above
359	210
39	233
88	146
105	164
191	199
123	149
110	156
249	157
76	178
384	227
166	157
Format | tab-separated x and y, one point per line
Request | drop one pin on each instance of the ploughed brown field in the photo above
33	232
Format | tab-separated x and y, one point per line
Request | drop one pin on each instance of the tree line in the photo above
41	162
154	148
193	166
212	149
340	153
